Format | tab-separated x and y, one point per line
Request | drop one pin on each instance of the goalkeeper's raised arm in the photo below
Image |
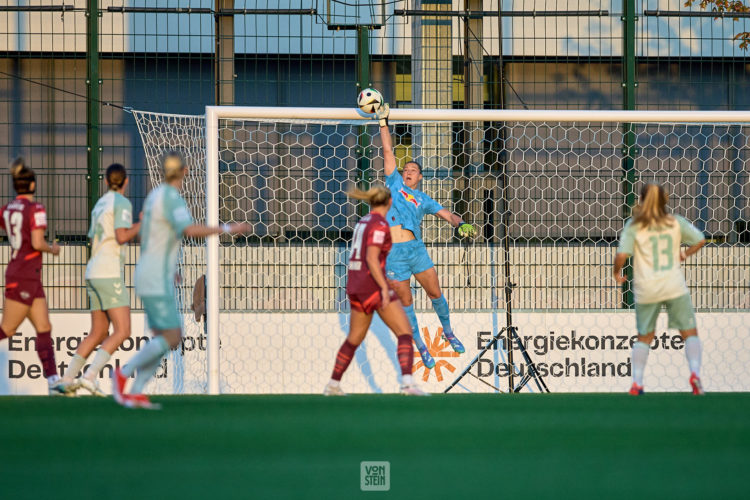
389	159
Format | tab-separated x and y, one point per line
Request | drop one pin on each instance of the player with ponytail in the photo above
369	292
111	228
25	221
654	237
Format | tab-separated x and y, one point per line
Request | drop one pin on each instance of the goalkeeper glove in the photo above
382	114
466	230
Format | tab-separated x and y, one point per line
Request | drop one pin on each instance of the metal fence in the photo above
69	69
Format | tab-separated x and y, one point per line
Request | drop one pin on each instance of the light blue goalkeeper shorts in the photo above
407	258
162	312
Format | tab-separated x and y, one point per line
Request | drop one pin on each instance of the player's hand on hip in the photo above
55	249
466	230
619	278
385	295
382	114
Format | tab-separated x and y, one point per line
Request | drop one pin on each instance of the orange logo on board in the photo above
439	349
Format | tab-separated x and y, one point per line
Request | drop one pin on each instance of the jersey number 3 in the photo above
14	223
662	245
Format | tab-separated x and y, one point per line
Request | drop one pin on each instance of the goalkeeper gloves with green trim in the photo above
382	114
466	230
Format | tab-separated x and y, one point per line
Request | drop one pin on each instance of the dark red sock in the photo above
405	353
46	352
343	358
3	335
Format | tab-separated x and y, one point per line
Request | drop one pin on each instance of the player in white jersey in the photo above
111	228
654	237
166	219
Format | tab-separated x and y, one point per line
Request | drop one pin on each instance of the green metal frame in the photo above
93	111
629	144
364	144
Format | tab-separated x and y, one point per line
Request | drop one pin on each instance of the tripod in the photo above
510	331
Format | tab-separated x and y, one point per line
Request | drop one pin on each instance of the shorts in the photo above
162	312
24	291
107	293
369	302
679	310
406	259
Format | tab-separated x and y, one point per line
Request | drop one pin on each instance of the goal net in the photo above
559	184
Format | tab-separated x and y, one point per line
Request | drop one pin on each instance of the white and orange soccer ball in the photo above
369	100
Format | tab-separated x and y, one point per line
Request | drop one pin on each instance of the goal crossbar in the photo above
471	115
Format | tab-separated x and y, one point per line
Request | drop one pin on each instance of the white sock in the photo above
638	361
100	359
407	379
74	367
144	375
151	352
333	383
693	351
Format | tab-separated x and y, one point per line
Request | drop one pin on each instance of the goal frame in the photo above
215	113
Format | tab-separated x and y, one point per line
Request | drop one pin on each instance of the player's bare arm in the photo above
39	243
691	250
452	219
372	257
201	231
455	220
125	234
620	260
389	159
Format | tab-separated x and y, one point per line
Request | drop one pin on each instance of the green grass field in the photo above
456	446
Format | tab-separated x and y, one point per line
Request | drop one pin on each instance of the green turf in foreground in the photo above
456	446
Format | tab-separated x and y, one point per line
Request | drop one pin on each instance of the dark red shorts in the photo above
369	302
24	291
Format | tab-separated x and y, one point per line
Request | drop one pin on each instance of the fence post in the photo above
93	84
629	85
364	149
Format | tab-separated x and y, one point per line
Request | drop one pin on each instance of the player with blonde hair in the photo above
369	292
653	236
166	219
25	220
409	256
111	228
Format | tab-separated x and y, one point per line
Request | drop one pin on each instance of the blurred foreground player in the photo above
111	228
166	219
653	237
368	291
25	220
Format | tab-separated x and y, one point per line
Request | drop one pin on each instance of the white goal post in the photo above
569	177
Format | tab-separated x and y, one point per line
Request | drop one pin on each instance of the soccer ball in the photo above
369	100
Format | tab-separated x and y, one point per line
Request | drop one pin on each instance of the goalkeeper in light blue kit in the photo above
409	255
653	237
166	219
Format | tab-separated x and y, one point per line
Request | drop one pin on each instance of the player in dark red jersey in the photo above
25	220
368	292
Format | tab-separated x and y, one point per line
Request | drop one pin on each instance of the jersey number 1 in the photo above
662	245
359	232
